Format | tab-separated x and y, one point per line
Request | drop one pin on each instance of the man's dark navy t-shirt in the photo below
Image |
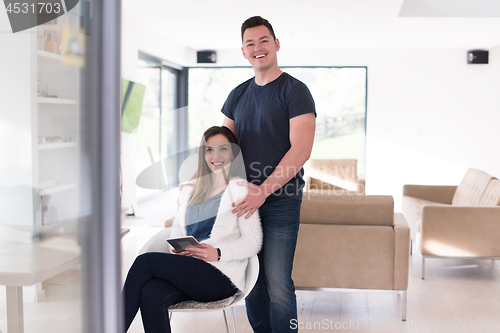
262	115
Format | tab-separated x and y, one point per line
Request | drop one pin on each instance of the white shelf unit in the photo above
56	145
55	117
56	100
49	55
57	189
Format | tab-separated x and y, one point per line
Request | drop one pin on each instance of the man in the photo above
273	117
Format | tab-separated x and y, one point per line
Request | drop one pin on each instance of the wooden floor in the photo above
456	296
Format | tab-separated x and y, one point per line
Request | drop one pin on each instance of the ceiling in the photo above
325	24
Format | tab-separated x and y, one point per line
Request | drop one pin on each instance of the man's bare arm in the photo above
302	130
229	123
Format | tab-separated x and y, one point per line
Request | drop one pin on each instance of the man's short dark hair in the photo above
256	21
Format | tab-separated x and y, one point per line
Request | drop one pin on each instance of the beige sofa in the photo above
352	241
338	175
455	221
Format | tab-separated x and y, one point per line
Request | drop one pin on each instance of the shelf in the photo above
50	100
49	55
57	189
56	145
48	27
54	127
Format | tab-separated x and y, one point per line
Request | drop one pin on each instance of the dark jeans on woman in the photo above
158	280
272	303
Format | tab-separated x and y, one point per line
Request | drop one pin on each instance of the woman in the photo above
217	269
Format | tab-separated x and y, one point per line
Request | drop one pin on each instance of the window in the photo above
340	97
339	94
208	89
153	140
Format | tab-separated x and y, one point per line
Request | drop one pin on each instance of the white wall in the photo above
137	36
430	114
430	117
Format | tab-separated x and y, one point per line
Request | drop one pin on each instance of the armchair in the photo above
339	175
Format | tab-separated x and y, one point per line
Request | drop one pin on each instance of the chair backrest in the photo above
363	210
157	243
251	275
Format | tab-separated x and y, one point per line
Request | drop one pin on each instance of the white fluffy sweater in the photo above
238	238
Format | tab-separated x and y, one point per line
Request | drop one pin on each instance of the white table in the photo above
25	263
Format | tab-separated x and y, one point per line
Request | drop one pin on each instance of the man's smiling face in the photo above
259	48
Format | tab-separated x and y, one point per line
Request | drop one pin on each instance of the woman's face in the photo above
218	152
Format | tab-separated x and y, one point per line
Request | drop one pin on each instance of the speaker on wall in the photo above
477	57
207	57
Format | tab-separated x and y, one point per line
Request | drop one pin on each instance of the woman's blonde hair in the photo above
203	177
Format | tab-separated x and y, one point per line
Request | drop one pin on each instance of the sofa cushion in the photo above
412	211
491	196
471	188
325	207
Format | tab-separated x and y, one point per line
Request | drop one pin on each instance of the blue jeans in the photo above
272	303
158	280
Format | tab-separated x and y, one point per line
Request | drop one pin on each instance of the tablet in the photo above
180	244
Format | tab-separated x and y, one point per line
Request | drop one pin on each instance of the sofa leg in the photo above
403	305
423	267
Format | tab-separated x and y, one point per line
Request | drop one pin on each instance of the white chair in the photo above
158	243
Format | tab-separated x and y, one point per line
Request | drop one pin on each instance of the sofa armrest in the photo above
459	231
401	252
438	193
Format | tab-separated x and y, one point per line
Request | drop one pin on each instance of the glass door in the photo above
59	173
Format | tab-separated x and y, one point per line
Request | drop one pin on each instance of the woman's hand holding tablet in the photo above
182	243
